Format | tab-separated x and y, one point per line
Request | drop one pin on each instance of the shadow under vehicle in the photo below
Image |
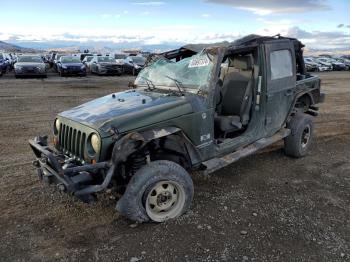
30	66
197	108
70	66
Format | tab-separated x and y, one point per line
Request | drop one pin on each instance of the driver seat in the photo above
234	111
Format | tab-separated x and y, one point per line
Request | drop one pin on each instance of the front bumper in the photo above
29	73
72	72
324	68
55	168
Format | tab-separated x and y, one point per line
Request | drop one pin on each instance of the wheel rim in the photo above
165	200
305	137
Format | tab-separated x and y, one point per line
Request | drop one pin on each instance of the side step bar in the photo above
218	163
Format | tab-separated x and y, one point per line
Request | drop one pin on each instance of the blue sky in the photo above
319	23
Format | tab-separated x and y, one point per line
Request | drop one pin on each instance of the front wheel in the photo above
299	141
159	191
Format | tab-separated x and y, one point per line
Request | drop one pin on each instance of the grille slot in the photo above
72	141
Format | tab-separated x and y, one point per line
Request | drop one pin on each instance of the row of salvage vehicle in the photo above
326	63
68	65
110	64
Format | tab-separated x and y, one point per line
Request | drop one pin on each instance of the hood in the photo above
325	63
128	110
72	64
29	64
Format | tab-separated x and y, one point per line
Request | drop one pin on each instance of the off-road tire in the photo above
132	203
299	141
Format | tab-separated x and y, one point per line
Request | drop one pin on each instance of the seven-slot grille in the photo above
72	141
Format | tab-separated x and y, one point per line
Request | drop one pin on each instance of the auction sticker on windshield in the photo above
198	62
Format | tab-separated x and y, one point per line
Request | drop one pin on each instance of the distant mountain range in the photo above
110	47
7	47
98	47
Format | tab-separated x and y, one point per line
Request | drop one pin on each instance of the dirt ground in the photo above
267	207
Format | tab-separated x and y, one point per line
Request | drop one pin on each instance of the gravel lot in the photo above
267	207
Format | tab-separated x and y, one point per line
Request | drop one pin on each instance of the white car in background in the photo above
325	63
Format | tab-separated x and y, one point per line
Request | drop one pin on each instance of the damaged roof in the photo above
248	41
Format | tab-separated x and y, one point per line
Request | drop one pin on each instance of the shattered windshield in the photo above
191	73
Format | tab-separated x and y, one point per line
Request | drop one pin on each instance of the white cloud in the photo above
259	7
206	15
176	33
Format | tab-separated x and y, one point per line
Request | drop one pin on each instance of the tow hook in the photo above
36	163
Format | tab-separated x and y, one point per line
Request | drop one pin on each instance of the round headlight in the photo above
57	126
95	143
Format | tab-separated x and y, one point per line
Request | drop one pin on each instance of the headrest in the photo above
243	62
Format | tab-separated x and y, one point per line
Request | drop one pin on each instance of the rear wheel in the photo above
300	139
159	191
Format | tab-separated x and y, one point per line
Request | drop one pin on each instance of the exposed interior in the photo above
234	95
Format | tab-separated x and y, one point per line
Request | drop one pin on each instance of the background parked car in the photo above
57	58
3	64
83	55
105	65
70	65
345	61
310	64
87	62
11	61
30	65
324	62
337	65
51	59
134	64
120	58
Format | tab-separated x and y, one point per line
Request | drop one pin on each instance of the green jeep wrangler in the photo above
196	108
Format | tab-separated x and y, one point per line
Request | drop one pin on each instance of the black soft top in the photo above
244	43
255	40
